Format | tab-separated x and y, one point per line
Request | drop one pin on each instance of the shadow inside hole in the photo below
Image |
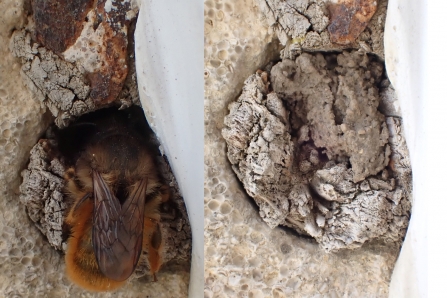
99	124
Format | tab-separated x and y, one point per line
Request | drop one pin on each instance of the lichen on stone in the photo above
310	146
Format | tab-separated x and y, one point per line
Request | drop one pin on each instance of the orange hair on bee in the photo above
82	267
115	192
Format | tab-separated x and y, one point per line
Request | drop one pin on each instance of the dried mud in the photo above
310	146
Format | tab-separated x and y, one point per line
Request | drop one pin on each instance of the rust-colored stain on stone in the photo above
108	82
62	25
59	22
349	18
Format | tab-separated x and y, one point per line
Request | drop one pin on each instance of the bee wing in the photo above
117	232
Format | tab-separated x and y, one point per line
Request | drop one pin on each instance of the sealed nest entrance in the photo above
48	200
308	142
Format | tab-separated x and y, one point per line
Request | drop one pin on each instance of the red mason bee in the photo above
115	193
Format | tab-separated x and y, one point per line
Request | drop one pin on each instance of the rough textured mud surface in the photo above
321	25
175	226
333	101
261	148
42	191
244	257
320	163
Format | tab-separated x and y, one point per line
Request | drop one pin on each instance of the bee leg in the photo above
168	216
76	195
82	200
69	173
165	193
72	186
154	245
154	250
153	240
